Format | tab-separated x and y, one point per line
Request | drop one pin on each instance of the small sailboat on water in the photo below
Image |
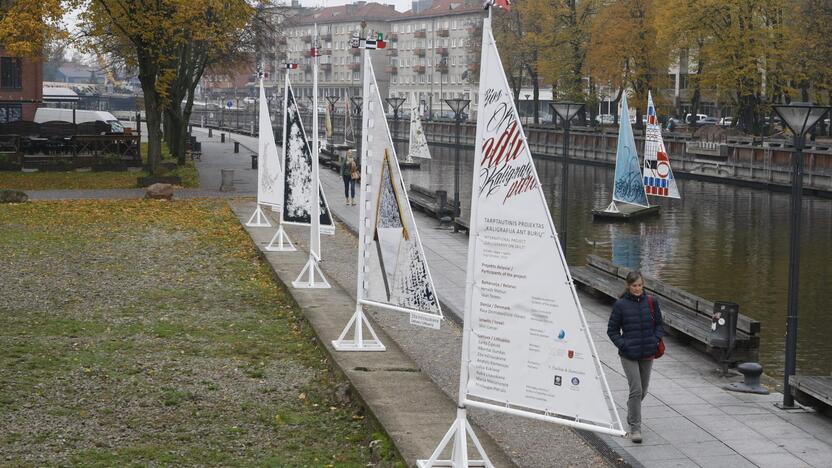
658	176
629	196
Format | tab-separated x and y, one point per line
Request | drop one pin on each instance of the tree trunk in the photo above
147	78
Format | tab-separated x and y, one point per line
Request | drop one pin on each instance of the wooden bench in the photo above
428	201
814	391
686	315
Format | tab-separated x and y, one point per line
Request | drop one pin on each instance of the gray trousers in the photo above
638	378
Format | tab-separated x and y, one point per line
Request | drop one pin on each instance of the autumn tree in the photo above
808	45
27	26
560	31
624	49
219	33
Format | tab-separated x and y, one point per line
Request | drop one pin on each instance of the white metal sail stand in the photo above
461	429
359	321
280	241
258	218
612	208
311	276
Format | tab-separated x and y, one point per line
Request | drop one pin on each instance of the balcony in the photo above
354	66
443	32
442	68
420	69
393	52
355	52
326	66
419	52
392	70
307	53
325	52
326	37
443	51
420	34
393	37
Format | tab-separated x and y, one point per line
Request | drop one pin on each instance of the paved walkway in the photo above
689	420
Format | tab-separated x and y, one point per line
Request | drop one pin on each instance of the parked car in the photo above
726	121
708	121
48	114
604	119
699	117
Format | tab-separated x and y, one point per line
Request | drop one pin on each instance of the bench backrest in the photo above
666	291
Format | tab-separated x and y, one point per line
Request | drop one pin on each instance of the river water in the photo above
721	242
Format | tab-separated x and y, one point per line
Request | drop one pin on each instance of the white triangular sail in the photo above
392	269
349	131
297	187
526	346
627	183
269	172
658	176
418	143
269	189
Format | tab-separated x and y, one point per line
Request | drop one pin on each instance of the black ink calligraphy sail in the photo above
297	190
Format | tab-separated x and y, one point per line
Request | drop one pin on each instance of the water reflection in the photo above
721	242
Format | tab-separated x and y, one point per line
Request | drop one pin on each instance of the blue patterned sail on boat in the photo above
628	185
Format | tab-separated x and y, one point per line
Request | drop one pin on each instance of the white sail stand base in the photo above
612	208
358	343
280	242
460	432
258	219
311	277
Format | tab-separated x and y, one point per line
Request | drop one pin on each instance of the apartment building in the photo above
339	72
429	55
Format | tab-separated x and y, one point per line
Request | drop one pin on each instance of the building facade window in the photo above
10	73
11	113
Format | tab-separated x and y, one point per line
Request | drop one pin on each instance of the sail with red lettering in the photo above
658	176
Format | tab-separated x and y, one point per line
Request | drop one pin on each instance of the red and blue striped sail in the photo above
658	177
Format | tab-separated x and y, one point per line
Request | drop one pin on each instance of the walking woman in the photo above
349	172
635	327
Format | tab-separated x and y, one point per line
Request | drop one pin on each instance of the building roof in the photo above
445	8
73	70
354	12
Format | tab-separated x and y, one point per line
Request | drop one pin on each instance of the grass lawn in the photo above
147	333
55	180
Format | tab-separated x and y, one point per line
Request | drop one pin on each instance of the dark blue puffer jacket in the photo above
631	326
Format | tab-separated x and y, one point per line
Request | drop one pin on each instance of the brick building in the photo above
21	87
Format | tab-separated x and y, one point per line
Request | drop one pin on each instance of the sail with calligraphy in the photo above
658	176
627	183
297	187
327	127
392	268
269	174
527	348
269	189
418	143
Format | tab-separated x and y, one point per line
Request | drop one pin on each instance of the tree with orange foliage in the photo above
26	26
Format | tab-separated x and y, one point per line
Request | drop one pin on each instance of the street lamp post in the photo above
458	105
395	103
800	117
565	111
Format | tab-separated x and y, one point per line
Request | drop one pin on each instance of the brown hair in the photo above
631	278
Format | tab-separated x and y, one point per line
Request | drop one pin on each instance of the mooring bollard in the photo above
222	137
236	147
254	161
227	180
210	133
